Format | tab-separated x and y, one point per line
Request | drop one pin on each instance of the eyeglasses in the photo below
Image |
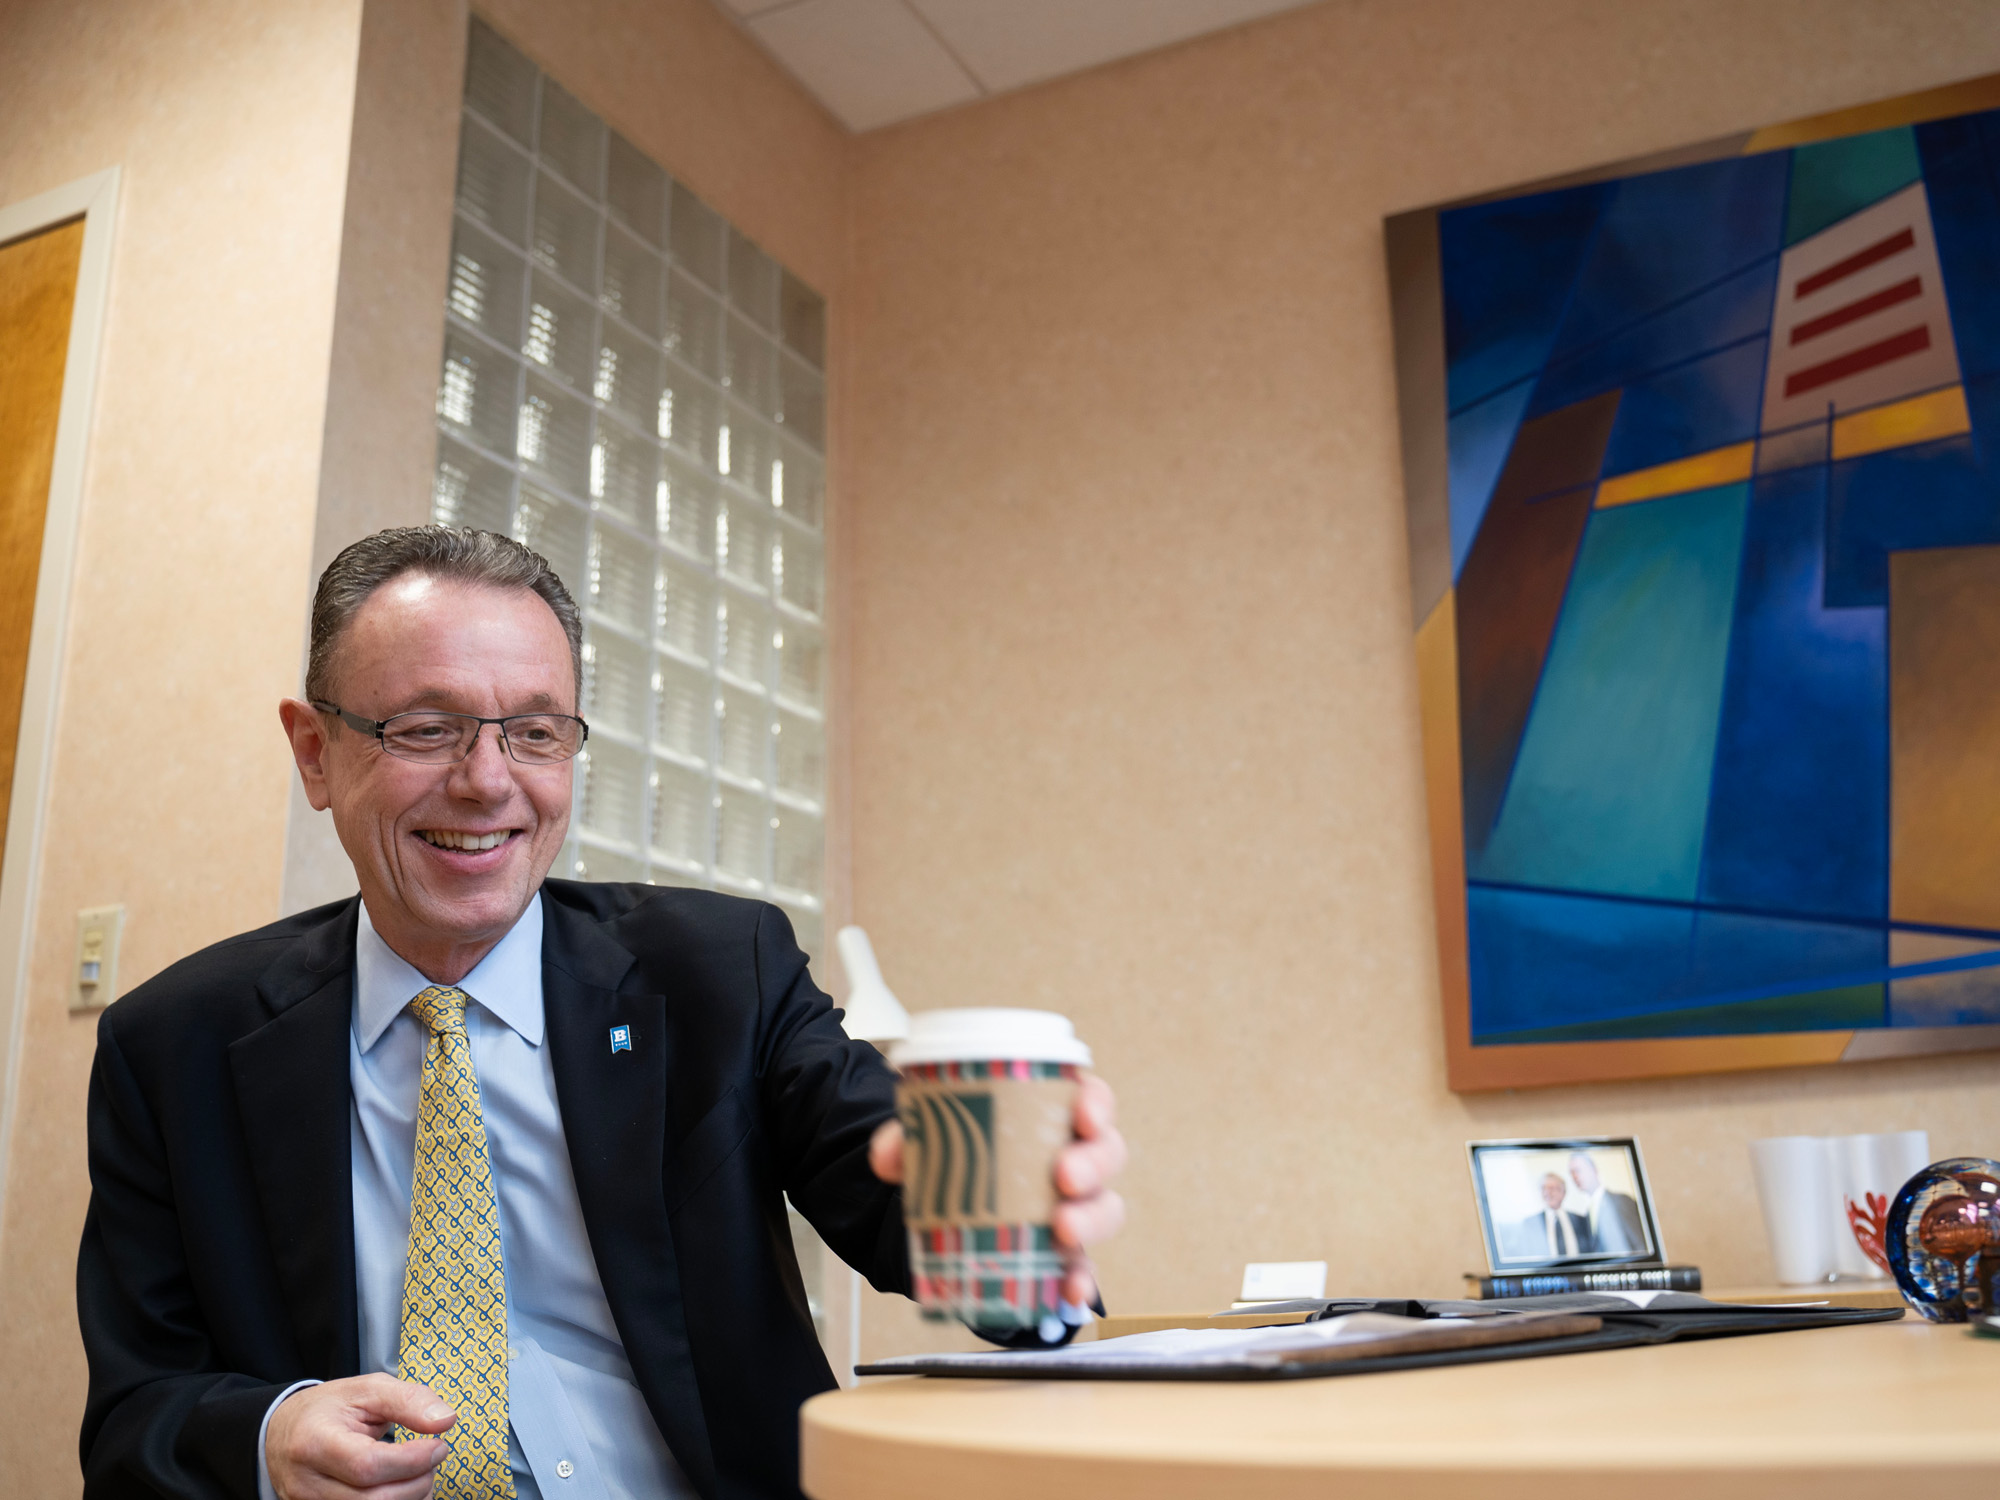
435	738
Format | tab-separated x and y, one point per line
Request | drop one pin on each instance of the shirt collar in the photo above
507	982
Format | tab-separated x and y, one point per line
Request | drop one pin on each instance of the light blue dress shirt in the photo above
579	1427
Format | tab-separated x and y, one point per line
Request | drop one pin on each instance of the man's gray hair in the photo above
454	553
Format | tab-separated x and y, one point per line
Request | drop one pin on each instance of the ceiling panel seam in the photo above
985	91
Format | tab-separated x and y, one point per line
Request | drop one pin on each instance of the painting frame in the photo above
1418	315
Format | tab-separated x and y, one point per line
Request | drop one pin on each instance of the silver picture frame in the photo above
1564	1203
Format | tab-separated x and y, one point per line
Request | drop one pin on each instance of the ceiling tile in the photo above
1008	43
869	61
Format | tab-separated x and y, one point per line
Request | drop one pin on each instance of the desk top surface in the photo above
1827	1412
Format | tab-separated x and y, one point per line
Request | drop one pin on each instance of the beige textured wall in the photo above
1134	710
230	118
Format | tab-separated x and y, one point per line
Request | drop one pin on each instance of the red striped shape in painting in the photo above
1860	260
1910	341
1902	291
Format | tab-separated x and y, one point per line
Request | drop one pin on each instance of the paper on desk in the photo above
1645	1299
1182	1347
1637	1299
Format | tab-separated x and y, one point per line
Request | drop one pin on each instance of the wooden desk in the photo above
1886	1408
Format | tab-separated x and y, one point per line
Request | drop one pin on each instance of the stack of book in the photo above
1600	1279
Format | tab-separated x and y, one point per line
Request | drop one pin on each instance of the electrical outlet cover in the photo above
93	980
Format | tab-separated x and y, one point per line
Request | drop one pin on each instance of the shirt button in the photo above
564	1469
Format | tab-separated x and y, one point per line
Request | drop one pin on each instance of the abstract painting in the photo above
1703	467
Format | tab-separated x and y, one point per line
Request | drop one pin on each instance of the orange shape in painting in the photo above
1704	471
1921	419
1944	722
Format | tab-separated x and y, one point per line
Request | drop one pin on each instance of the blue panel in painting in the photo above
1740	956
1478	440
1707	403
1798	816
1725	315
1610	789
1507	269
1982	405
1936	495
1547	959
1668	236
1961	997
1541	959
1960	159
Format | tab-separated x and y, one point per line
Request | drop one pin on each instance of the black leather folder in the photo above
1620	1323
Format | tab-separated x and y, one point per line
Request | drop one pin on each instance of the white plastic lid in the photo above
990	1035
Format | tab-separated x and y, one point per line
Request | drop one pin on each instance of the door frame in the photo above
94	199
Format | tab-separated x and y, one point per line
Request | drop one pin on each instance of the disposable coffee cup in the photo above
987	1099
1795	1188
1868	1170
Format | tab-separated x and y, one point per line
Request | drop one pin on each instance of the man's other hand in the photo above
1089	1212
322	1443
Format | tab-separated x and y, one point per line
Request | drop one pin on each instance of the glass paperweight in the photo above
1943	1240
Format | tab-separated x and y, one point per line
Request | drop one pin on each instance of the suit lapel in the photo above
614	1112
293	1099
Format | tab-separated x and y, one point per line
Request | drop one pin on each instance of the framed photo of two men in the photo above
1579	1202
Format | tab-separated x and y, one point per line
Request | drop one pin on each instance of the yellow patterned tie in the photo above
454	1286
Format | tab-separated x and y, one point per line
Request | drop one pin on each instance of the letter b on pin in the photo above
621	1039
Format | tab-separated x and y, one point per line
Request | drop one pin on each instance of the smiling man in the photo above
488	1163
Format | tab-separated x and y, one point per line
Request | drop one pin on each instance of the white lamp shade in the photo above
873	1013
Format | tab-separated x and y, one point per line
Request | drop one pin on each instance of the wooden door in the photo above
37	292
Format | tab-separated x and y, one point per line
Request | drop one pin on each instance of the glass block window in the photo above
637	391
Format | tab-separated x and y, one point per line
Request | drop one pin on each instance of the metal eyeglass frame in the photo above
376	728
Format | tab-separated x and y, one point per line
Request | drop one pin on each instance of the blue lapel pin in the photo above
621	1039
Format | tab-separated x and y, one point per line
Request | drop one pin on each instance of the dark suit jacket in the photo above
217	1263
1618	1218
1530	1239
